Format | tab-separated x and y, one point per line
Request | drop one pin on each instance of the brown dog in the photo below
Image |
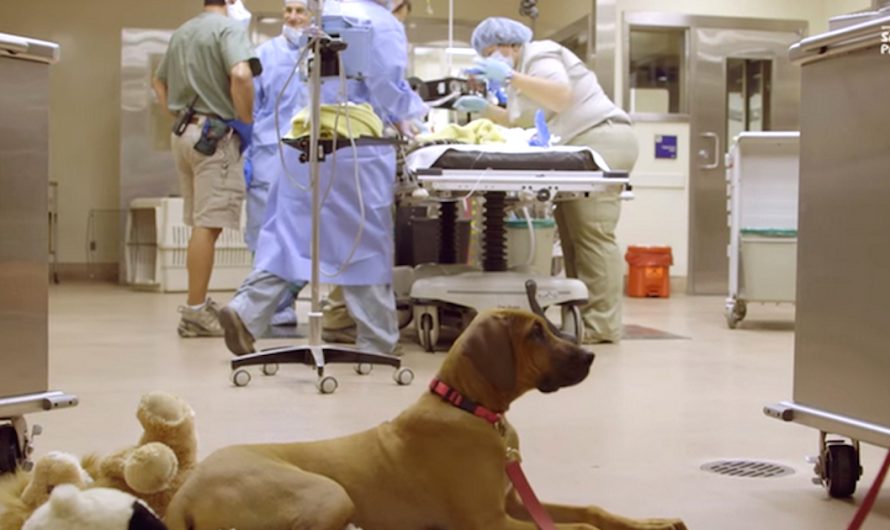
436	466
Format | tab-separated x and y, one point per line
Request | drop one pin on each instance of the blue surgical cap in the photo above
499	30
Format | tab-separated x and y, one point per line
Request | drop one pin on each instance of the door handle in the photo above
703	153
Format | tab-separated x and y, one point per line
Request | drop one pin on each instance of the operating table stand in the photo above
455	296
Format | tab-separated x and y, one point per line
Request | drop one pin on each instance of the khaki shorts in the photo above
212	187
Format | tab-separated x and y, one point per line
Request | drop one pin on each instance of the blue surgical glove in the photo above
492	69
501	95
248	172
542	134
470	104
244	131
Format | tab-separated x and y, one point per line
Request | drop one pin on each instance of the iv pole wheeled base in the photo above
318	356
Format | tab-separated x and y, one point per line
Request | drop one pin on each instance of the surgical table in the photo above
502	174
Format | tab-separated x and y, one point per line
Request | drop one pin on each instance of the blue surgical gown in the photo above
278	57
284	242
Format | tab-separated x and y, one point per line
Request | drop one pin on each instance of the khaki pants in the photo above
587	233
335	315
212	187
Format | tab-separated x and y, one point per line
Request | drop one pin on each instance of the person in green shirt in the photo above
206	80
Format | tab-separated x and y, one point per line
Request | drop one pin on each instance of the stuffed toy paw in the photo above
70	508
23	492
155	468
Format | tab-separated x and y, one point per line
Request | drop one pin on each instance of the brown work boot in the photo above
341	336
238	339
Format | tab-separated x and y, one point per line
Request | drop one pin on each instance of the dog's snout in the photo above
587	358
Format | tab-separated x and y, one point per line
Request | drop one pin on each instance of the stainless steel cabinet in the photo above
24	241
841	358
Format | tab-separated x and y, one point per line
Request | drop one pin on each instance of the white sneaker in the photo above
202	322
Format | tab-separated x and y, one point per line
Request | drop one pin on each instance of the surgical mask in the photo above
498	56
238	12
293	35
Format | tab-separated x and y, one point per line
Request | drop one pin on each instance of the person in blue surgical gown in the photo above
262	161
350	209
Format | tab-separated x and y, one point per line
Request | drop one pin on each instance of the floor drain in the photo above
747	469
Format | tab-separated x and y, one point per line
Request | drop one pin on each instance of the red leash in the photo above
529	499
869	501
514	471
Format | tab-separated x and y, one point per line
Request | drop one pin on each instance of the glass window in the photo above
747	96
431	62
656	70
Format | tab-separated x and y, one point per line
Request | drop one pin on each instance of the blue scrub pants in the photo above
373	307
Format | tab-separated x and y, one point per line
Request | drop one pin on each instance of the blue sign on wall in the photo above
665	146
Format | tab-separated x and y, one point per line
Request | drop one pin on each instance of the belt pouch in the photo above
213	131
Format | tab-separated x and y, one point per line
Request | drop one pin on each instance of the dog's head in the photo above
505	353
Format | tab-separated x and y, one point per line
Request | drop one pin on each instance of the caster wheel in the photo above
363	368
426	333
327	384
577	323
404	316
735	312
270	369
241	377
10	453
841	470
426	325
403	376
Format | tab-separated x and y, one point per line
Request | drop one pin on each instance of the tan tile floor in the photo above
631	438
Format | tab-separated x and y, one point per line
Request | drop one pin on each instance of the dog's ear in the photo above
489	346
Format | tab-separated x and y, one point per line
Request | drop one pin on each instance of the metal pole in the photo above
450	50
314	182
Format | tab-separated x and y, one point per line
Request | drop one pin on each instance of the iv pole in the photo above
315	352
315	315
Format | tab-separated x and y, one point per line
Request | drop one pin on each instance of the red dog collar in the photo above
462	402
514	471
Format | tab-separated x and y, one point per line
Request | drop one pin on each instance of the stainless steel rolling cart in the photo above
841	352
24	239
762	175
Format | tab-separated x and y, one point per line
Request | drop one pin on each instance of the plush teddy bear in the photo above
23	492
70	508
156	467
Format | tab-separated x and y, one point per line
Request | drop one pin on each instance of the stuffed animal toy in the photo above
156	467
23	492
70	508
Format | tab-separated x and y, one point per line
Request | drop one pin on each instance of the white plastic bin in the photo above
519	244
157	243
768	267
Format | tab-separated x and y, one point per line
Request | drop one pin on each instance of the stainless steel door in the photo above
715	44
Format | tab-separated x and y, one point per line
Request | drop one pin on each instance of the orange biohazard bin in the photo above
649	274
